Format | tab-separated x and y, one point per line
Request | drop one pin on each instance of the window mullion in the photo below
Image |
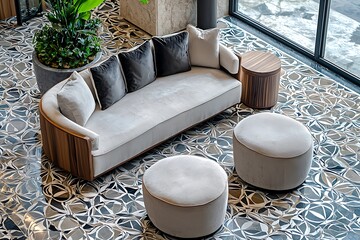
323	19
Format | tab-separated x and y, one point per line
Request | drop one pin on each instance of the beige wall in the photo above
161	17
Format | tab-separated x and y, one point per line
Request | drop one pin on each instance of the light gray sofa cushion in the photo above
75	99
158	111
50	106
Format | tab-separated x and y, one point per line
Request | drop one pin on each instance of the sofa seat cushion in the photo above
163	99
75	99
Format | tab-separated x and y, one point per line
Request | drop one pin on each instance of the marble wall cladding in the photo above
161	17
142	15
173	17
222	8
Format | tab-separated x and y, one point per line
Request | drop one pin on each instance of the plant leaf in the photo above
87	32
85	15
52	18
88	5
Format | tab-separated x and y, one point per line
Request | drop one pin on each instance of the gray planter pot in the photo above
47	77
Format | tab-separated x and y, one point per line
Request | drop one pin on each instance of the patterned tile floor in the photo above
39	201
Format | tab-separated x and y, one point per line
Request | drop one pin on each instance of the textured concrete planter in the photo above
46	77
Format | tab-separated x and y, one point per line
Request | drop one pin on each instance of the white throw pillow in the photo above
75	99
204	46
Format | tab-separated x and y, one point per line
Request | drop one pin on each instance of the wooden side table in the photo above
260	76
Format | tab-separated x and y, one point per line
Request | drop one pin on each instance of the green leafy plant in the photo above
71	39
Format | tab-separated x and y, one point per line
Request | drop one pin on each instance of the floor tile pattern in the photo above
40	201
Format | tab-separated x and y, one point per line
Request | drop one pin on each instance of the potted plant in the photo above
69	43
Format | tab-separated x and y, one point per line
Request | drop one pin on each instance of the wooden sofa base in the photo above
65	149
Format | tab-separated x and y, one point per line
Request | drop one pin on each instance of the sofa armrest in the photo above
229	60
49	106
66	144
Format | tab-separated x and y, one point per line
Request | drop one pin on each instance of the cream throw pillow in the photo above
75	99
204	46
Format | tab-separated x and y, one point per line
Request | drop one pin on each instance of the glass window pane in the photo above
294	19
343	35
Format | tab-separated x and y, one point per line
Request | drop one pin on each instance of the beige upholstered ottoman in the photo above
272	151
186	196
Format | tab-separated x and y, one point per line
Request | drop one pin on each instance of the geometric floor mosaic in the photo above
40	201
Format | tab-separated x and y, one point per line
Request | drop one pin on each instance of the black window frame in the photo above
320	42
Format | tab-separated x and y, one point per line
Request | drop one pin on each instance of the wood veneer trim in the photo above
260	63
260	91
65	149
7	9
58	126
260	73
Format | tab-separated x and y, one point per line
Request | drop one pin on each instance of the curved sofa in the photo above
140	120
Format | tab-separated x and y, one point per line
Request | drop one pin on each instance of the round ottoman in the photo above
272	151
186	196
